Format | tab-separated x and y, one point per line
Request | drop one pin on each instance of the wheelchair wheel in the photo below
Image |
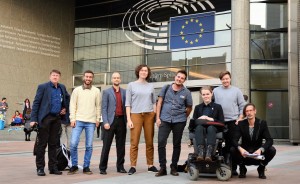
193	173
223	172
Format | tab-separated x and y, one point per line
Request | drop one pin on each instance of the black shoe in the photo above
41	172
55	171
174	171
243	171
103	172
261	172
131	171
121	170
152	169
234	173
87	171
73	170
161	172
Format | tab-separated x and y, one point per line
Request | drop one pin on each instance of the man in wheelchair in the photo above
252	150
207	124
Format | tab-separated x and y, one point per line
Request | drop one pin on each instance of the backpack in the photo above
63	157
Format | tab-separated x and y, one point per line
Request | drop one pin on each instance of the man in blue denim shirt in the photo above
173	107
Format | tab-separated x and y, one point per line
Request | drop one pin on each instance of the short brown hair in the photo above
55	71
183	72
247	105
138	69
222	74
206	88
88	71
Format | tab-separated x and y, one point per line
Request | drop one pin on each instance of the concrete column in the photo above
240	44
293	69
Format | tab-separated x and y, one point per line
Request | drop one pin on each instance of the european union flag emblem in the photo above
192	30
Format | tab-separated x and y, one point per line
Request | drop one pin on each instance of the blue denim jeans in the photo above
75	138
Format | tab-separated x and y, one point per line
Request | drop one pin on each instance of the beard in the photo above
86	82
250	117
116	84
178	84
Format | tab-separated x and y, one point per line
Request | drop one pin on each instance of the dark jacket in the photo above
217	112
42	103
260	132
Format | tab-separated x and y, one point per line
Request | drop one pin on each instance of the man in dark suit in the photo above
252	131
113	115
50	106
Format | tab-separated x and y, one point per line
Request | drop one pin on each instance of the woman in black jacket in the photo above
26	117
207	111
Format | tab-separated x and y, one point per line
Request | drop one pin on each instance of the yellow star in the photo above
186	41
196	40
182	37
182	27
191	42
192	20
186	22
197	20
181	32
200	35
202	30
200	24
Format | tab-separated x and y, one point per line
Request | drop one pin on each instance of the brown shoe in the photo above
161	172
201	150
174	171
209	152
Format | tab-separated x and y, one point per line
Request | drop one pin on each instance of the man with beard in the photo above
256	141
50	106
84	115
173	107
114	123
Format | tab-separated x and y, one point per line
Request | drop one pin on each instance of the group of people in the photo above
18	118
229	107
138	108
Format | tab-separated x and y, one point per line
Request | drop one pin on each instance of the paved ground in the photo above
17	165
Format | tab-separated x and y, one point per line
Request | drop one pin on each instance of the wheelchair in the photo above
216	167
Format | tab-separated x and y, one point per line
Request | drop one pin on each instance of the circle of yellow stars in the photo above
186	23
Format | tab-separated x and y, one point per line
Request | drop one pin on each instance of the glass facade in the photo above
269	64
119	35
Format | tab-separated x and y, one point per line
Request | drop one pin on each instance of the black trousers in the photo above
98	131
48	134
163	133
239	159
229	136
117	128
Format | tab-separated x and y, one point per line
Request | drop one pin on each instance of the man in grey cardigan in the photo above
232	101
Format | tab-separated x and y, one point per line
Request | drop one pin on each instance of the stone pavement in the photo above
18	165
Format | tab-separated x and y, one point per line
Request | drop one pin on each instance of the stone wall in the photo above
36	36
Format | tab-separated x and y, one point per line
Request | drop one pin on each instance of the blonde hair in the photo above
206	88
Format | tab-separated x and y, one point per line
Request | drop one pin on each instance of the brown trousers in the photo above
142	120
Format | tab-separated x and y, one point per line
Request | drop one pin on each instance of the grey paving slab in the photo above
18	166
